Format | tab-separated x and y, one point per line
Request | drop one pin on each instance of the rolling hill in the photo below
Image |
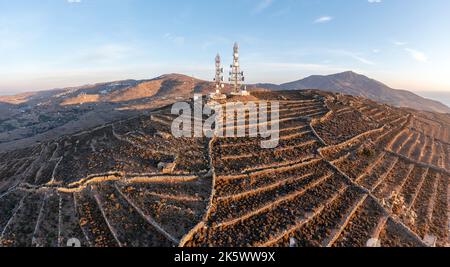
30	118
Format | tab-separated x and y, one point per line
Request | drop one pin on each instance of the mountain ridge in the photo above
355	84
179	86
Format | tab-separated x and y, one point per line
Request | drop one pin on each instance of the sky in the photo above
49	44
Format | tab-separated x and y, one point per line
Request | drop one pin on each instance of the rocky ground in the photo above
347	172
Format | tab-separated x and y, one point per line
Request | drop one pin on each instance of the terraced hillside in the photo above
347	172
125	184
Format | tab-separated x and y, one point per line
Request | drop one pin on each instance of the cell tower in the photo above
236	75
218	79
219	74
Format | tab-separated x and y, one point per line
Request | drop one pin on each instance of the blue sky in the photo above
56	43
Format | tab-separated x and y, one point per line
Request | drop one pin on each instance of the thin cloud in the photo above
281	12
262	5
177	40
13	37
398	43
417	55
362	60
74	1
353	55
215	41
323	19
104	54
374	1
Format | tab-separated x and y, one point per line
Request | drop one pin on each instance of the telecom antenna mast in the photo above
219	75
218	79
236	75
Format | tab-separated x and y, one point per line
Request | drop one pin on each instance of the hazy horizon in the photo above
31	90
441	96
64	43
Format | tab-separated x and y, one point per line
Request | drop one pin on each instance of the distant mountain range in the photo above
33	117
177	86
359	85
